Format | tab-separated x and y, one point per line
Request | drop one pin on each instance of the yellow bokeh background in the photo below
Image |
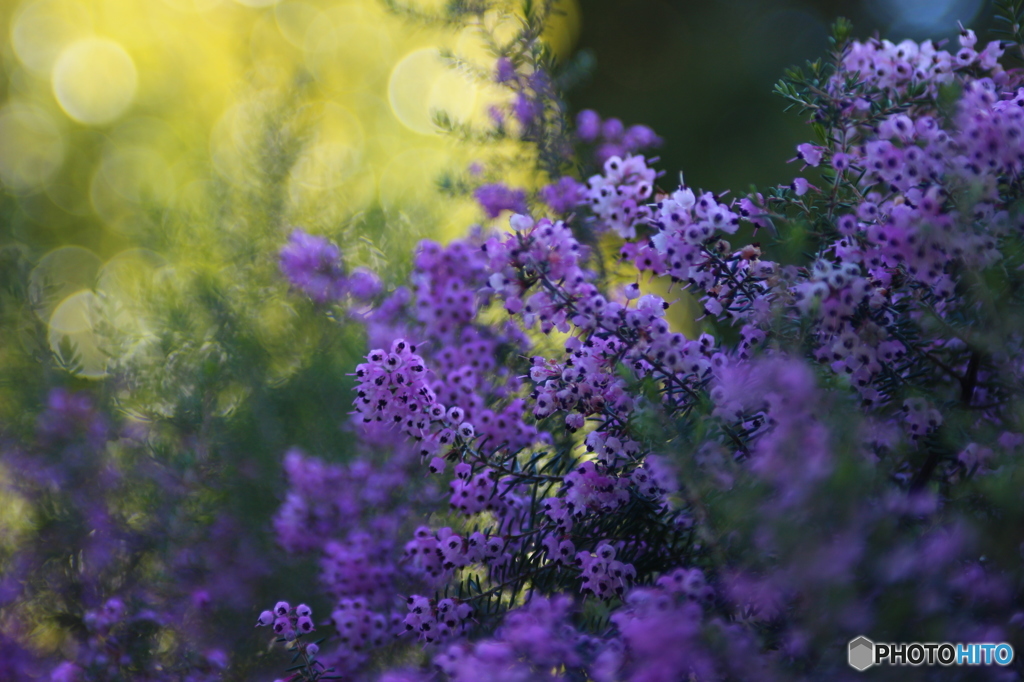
127	127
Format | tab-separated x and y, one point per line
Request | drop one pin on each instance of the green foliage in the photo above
1009	17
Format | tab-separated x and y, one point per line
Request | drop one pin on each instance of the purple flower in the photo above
504	70
563	196
363	284
640	137
612	130
313	265
663	637
526	109
808	153
588	125
475	393
70	415
800	186
609	150
497	197
65	672
840	162
18	663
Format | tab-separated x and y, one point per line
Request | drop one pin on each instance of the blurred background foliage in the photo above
163	150
701	73
155	155
185	136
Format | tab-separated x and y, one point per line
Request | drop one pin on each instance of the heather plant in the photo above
507	459
628	502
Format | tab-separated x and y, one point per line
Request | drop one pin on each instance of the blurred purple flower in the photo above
313	265
640	137
71	415
612	130
363	284
526	109
504	71
588	125
495	198
563	196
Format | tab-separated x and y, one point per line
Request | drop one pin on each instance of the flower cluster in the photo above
324	499
495	198
70	415
313	265
595	452
618	197
906	240
291	625
612	137
532	642
287	622
358	565
532	110
603	575
360	630
393	389
564	195
587	489
662	635
894	67
544	467
438	621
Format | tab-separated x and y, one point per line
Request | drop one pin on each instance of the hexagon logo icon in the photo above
862	653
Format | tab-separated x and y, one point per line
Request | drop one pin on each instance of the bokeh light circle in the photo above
95	81
75	321
43	29
58	274
562	31
349	34
294	20
32	147
193	5
334	146
126	280
422	84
